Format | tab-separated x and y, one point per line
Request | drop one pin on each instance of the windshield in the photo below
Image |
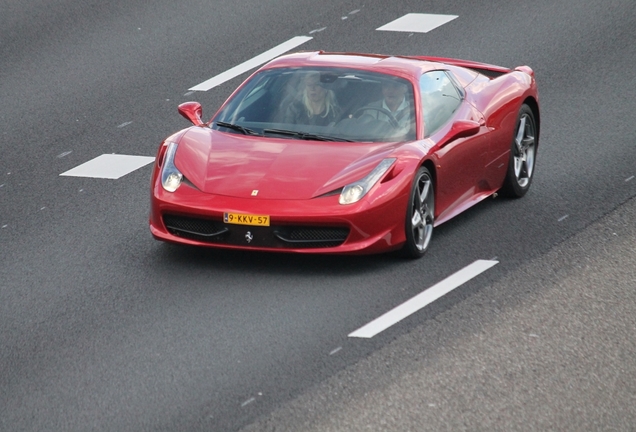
335	104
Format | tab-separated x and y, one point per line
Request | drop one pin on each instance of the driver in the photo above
393	100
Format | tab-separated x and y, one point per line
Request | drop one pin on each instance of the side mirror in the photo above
462	129
191	111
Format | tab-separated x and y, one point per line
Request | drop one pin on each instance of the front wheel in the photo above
522	155
419	215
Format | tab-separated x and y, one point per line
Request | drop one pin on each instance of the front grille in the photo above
194	228
280	237
312	236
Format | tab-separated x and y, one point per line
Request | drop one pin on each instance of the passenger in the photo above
317	105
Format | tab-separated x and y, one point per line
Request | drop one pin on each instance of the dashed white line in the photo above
66	153
247	402
426	297
109	166
335	351
629	178
417	23
124	124
251	64
318	30
562	218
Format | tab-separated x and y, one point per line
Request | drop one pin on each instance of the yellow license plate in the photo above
246	219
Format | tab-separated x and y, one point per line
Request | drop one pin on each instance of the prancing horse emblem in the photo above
249	237
255	192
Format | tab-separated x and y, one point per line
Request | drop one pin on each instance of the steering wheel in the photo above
392	121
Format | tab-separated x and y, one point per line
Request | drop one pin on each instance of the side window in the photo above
440	99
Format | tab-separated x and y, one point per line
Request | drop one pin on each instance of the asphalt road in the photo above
547	347
103	328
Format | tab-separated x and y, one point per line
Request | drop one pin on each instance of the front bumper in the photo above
319	225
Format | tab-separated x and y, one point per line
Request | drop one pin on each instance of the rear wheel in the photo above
419	215
522	155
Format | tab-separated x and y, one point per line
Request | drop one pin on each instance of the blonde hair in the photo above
330	99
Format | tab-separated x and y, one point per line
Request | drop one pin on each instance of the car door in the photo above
460	161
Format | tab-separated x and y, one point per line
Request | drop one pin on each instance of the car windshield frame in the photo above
348	105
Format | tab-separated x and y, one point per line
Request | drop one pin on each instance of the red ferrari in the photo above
346	153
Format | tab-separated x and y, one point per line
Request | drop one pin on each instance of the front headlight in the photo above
170	175
354	192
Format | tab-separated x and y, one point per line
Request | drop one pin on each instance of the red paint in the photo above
469	153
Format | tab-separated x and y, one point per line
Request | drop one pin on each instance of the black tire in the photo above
420	215
523	155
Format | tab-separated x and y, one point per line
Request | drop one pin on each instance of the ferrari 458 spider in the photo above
346	153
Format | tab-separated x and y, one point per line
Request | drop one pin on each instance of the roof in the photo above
401	66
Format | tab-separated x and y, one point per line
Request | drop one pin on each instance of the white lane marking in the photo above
629	178
318	30
562	218
424	298
251	64
124	124
335	351
109	166
417	23
66	153
247	402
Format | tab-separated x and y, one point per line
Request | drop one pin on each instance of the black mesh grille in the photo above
313	234
280	237
194	228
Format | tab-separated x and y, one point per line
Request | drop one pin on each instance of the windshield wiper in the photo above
304	135
246	131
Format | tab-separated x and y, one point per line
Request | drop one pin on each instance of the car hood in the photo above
271	168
